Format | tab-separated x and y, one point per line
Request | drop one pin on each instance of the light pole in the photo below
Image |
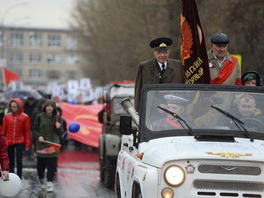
9	9
3	56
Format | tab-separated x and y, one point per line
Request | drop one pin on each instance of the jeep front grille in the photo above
226	169
222	179
228	186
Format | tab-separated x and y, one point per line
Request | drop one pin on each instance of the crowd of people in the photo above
26	129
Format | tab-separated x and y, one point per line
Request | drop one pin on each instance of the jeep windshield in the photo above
216	110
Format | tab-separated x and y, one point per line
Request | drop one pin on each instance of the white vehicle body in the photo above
212	159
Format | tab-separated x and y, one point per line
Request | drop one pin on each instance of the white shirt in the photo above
220	62
160	64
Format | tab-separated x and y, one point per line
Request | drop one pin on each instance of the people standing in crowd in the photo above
2	111
47	127
251	78
29	107
4	161
161	69
37	110
16	128
63	140
224	68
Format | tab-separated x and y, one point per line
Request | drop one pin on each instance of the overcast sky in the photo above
36	13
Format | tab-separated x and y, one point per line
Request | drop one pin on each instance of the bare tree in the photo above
114	35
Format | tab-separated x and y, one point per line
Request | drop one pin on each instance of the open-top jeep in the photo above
193	141
109	140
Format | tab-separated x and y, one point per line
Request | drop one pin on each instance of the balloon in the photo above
74	127
11	187
73	101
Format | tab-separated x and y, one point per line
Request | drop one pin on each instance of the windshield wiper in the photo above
179	119
238	122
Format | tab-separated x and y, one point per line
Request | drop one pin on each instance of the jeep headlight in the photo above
174	175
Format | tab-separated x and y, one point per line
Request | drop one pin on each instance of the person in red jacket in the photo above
16	127
4	162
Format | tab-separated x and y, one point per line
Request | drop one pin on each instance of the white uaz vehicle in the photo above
193	141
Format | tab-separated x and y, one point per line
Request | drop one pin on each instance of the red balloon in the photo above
74	127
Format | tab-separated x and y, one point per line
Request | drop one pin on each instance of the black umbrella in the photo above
22	94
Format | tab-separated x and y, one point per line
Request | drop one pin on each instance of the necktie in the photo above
163	69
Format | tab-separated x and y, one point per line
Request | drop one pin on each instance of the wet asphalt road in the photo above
77	177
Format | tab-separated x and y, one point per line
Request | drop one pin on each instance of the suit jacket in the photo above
148	73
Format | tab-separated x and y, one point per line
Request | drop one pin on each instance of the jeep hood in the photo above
159	151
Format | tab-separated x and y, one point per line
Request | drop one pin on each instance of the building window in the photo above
2	38
71	43
72	60
35	39
35	58
53	58
54	74
16	58
16	39
34	73
18	72
72	75
54	40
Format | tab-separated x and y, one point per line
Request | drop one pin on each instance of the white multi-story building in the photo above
39	55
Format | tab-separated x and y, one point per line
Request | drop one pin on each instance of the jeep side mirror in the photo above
128	106
125	126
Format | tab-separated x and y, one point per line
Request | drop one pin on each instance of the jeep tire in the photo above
109	173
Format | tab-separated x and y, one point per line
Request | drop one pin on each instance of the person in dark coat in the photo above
161	69
2	111
47	127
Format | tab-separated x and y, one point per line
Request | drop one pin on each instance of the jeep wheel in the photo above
118	190
102	172
109	174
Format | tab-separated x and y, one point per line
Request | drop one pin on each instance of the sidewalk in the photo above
29	162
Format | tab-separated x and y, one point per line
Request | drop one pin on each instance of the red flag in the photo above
86	116
193	48
9	76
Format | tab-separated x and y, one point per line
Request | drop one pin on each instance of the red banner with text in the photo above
193	48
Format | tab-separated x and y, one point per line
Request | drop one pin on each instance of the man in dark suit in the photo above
159	70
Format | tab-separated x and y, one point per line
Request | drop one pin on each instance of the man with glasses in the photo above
159	70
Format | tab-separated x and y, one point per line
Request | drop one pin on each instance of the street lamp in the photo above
9	9
3	61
